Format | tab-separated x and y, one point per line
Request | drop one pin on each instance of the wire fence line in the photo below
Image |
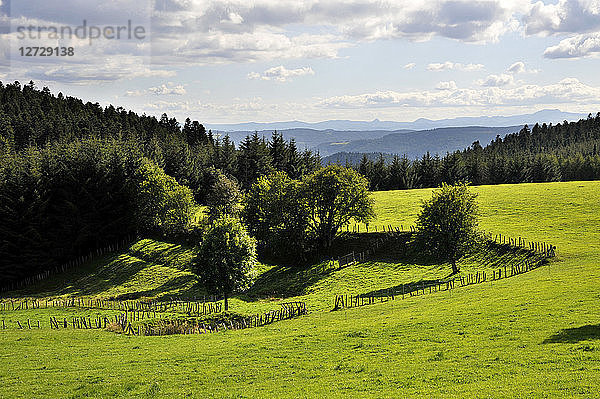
541	252
287	311
159	324
28	281
543	248
196	307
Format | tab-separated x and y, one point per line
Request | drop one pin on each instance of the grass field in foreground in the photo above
534	335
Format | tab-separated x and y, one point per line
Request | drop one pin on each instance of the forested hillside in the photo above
34	118
75	176
354	158
314	139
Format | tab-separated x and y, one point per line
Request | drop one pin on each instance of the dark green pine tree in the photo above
292	162
253	159
278	151
227	157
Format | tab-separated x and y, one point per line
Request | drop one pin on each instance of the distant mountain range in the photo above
547	115
412	139
415	144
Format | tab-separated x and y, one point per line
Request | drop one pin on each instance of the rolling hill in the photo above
411	143
533	335
546	115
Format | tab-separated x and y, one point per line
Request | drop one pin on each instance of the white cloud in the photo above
135	93
91	74
517	67
497	80
565	16
520	67
260	45
469	21
410	65
239	106
281	73
447	66
200	32
197	32
162	90
567	91
575	47
568	94
170	106
451	85
233	18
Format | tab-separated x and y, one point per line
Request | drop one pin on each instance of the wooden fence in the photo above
288	310
543	248
82	322
15	285
547	250
386	228
160	326
197	308
358	257
422	288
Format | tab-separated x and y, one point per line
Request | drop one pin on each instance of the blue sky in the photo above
266	60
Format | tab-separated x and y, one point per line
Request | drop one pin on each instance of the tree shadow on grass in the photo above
399	248
164	251
171	289
109	271
88	279
118	271
574	335
401	289
285	281
288	281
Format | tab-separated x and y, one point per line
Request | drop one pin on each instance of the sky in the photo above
276	60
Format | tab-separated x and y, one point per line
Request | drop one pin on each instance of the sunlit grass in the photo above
534	335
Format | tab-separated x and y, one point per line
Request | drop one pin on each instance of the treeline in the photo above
30	117
75	176
544	153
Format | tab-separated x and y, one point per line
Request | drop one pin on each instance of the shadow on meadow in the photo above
85	280
285	282
123	268
151	268
134	275
171	253
402	288
124	277
192	291
574	335
288	281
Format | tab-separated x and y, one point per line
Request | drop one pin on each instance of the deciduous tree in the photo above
447	223
334	196
225	258
162	205
277	215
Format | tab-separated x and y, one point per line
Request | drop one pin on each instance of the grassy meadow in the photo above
533	335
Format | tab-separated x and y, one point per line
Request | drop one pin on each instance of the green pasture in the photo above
532	335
